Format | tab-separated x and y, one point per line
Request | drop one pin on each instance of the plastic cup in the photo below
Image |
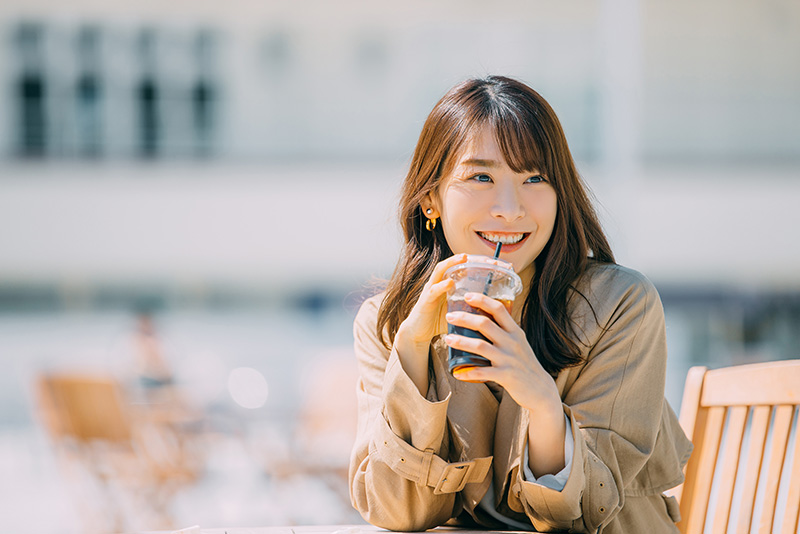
495	281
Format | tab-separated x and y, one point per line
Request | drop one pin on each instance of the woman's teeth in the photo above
506	239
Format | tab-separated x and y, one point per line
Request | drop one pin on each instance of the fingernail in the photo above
449	316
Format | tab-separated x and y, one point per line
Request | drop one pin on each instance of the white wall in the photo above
189	225
274	227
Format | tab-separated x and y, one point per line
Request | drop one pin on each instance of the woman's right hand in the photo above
427	320
424	322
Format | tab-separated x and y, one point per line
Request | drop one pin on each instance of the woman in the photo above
568	429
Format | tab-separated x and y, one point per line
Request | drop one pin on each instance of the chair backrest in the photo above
83	407
744	472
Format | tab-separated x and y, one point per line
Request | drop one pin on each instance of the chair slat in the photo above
790	516
770	383
696	501
689	412
775	456
727	464
691	399
755	452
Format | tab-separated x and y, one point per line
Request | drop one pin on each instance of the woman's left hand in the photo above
515	368
514	365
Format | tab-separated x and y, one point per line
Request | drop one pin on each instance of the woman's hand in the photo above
514	365
427	320
515	368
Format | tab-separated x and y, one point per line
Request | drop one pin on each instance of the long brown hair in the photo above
530	137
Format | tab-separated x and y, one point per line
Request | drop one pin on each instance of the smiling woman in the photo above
483	201
567	428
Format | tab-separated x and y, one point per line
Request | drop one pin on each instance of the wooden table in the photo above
323	529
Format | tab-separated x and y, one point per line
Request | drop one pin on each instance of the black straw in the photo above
497	250
491	273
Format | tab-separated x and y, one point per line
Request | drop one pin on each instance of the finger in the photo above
442	266
493	307
475	374
473	345
498	352
479	323
438	290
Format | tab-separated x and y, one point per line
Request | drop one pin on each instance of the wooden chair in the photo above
744	472
95	432
84	408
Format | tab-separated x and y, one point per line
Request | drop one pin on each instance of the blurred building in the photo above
202	151
193	158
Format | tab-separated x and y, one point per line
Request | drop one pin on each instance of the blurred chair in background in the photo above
325	426
744	472
125	464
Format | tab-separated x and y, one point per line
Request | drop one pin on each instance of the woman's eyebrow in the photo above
489	164
476	162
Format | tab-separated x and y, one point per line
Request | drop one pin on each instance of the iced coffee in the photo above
496	281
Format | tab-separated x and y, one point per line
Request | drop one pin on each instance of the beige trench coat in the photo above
420	461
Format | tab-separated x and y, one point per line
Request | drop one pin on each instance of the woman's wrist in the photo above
546	433
413	355
405	340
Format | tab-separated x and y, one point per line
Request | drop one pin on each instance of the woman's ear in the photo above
429	207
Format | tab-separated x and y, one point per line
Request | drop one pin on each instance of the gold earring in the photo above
430	225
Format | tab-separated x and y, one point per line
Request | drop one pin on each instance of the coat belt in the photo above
425	467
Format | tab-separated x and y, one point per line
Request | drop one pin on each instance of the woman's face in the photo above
483	201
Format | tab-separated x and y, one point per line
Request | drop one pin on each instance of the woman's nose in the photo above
507	204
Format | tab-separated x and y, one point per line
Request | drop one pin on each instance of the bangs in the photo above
518	116
520	140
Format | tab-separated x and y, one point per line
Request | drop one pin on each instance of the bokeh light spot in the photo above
248	387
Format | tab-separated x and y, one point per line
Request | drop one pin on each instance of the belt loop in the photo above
426	467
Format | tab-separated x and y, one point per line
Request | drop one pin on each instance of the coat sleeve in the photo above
398	475
614	405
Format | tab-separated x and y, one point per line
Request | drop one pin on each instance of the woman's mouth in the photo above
511	241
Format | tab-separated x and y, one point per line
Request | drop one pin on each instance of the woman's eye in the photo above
483	178
535	179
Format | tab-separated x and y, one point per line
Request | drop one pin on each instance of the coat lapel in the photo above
471	414
508	442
